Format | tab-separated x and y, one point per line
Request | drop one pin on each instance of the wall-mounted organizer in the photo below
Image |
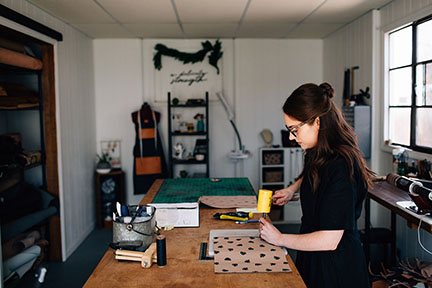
278	168
178	155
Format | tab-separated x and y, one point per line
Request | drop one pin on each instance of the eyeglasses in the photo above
293	130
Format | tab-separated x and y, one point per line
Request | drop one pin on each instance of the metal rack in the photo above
8	70
172	134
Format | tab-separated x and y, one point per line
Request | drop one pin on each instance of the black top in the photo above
336	205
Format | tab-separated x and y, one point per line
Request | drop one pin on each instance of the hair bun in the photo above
327	89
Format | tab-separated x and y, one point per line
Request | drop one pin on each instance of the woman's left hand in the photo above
269	233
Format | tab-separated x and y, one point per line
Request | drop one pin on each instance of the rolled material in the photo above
11	45
421	196
28	241
413	187
13	58
264	201
161	250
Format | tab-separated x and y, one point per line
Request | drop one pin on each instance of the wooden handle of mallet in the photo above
147	257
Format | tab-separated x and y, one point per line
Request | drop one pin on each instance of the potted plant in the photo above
103	166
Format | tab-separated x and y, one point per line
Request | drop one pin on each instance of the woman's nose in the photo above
291	136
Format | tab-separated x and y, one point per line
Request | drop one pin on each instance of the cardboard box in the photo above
177	214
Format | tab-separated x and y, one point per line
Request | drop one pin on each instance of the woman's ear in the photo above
317	122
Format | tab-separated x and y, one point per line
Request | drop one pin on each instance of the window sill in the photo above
411	154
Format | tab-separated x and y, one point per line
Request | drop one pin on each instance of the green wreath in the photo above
215	54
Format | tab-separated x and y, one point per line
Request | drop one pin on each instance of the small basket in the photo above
273	176
139	228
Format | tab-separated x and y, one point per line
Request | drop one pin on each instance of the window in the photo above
409	83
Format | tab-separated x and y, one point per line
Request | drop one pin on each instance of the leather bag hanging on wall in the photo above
149	159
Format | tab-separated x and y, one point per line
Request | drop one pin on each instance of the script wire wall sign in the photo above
187	70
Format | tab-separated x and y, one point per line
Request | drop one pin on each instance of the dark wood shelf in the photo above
31	166
188	106
188	134
8	69
192	161
33	108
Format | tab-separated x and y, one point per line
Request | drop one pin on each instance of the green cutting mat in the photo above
185	190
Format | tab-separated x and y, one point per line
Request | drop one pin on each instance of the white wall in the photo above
257	77
266	73
118	92
75	127
360	43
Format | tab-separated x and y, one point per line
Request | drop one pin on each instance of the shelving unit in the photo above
28	109
278	168
173	134
110	188
34	77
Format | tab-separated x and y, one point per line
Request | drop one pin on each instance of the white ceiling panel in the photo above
104	31
141	11
210	11
287	11
265	30
155	30
75	11
208	18
210	30
309	30
343	11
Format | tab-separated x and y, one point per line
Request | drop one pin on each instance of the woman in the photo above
332	188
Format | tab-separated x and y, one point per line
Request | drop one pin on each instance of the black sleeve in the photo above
337	205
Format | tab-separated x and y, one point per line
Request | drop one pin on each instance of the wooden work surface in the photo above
387	195
183	268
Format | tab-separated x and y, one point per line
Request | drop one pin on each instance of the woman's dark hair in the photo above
335	136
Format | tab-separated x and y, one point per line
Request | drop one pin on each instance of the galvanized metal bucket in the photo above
140	228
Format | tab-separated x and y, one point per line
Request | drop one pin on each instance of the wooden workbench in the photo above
183	268
388	195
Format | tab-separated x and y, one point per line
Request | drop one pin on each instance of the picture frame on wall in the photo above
111	148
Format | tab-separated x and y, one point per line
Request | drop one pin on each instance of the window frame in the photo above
413	107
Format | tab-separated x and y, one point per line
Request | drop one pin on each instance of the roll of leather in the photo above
13	58
11	45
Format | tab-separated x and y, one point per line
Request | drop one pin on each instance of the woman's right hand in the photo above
281	197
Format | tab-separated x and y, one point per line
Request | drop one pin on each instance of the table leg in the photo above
393	238
367	230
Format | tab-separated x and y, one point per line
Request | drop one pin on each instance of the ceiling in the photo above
190	19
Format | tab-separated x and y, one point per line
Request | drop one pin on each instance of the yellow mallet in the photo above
264	201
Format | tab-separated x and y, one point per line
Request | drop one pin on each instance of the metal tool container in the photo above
139	226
